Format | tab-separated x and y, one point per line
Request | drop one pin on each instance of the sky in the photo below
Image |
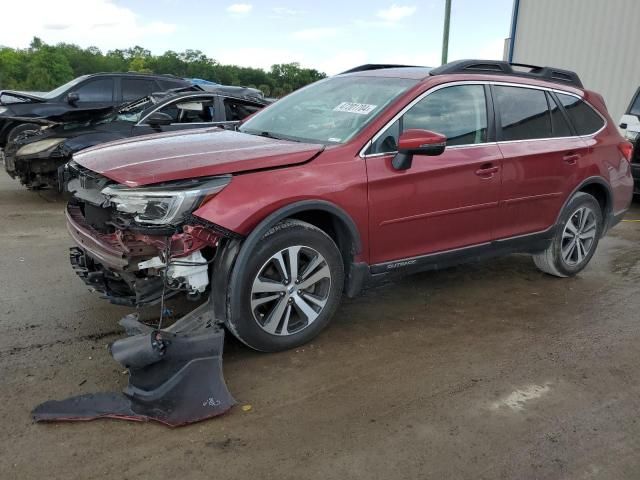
329	35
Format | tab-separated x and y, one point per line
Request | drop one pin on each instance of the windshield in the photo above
333	110
132	112
61	89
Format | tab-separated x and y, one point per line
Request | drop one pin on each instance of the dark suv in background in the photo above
35	156
352	180
69	101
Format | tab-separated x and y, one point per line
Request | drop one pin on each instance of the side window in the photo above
584	119
170	84
236	110
98	90
559	123
190	110
134	88
524	113
458	112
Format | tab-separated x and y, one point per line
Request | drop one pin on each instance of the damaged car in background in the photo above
35	156
19	110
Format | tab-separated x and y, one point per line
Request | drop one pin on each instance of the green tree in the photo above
48	68
43	67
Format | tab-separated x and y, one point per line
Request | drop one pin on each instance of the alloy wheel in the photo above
578	236
290	290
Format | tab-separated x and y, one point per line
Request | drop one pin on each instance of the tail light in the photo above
626	148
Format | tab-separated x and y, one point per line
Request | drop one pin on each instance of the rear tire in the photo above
289	289
576	239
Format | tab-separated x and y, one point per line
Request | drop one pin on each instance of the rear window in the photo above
524	113
585	120
134	88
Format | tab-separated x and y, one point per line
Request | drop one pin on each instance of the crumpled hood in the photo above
188	154
7	97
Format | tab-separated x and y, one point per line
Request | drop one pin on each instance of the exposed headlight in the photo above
165	204
3	110
40	146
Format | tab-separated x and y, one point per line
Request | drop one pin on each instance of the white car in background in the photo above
630	125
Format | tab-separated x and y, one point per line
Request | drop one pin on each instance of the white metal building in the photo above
598	39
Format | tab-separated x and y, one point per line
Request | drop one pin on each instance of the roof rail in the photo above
550	74
376	66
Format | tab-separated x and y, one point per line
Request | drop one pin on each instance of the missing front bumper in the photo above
175	376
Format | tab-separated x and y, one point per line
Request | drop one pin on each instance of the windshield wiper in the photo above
267	134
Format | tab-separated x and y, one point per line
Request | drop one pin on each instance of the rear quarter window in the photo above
585	120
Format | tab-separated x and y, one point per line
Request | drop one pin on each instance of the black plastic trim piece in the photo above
557	101
263	227
532	243
496	67
491	113
214	227
358	276
591	181
221	277
377	66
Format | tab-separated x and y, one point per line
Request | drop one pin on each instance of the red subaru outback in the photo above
353	180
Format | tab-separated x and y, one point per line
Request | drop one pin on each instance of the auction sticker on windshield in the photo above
361	108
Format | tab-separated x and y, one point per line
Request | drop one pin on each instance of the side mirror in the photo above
72	98
157	119
417	142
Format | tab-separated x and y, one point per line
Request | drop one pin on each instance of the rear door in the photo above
442	202
541	158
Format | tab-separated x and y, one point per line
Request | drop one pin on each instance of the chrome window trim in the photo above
377	135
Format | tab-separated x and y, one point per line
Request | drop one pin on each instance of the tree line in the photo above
42	67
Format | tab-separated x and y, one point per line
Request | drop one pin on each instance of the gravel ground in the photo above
486	371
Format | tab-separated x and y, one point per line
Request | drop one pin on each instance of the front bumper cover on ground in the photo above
175	376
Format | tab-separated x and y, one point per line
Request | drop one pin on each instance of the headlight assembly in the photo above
164	204
39	146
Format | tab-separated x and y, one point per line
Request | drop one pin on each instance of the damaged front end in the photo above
136	246
35	160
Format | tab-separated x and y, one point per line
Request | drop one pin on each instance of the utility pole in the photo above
445	34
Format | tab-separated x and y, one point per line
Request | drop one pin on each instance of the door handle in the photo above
571	158
487	171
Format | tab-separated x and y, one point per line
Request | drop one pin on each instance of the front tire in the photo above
289	289
17	130
576	239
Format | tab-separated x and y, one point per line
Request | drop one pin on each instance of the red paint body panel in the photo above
332	177
466	196
536	180
198	153
440	203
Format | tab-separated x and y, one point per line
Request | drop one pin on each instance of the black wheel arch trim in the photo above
606	215
303	206
238	254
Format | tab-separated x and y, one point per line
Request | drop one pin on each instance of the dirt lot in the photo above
487	371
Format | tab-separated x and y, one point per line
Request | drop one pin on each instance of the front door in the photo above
442	202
